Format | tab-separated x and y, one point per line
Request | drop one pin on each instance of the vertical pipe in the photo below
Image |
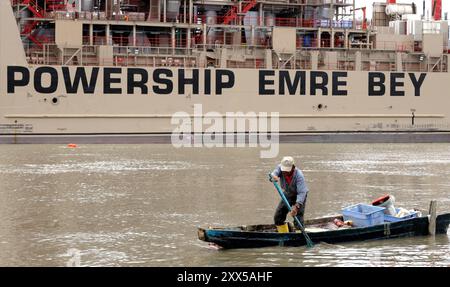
188	39
319	38
173	40
108	9
332	38
91	34
184	11
108	32
354	16
261	15
164	11
423	10
240	11
346	39
368	39
252	35
159	10
117	9
302	16
191	8
134	35
332	18
204	36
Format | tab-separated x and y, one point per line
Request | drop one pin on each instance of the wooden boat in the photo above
319	230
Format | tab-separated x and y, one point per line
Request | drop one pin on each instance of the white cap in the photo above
286	163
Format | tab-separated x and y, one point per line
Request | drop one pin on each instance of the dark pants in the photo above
282	211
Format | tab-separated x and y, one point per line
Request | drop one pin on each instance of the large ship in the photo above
119	70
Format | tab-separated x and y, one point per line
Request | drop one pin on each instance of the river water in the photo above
140	205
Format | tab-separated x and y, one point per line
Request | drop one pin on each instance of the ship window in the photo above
55	100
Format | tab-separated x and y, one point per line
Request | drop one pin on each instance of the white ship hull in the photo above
25	112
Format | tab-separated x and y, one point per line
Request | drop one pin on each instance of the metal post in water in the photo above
432	218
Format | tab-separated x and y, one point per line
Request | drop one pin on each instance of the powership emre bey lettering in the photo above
117	71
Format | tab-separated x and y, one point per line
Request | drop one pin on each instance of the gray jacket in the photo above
298	185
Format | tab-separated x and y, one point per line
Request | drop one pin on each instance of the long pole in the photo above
309	242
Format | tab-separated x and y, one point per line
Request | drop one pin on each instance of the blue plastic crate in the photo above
363	215
390	218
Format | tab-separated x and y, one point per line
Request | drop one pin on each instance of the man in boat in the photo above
293	183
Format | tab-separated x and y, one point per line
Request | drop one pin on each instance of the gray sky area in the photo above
419	4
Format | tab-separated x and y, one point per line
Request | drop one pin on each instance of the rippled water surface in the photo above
140	205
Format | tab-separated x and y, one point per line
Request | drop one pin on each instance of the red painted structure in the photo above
233	12
436	9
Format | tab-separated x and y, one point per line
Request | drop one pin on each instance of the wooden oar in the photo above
309	242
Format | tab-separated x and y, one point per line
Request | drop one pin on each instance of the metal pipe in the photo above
188	42
91	34
108	38
164	11
354	16
191	8
184	11
204	36
173	40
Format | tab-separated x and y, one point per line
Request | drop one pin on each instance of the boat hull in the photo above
238	238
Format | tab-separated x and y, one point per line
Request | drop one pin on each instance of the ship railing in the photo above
311	43
247	64
146	58
139	51
395	46
218	20
156	41
360	45
336	2
277	21
122	43
164	41
220	41
122	56
217	46
151	61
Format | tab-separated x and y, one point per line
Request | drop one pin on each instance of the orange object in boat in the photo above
72	145
338	222
380	200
